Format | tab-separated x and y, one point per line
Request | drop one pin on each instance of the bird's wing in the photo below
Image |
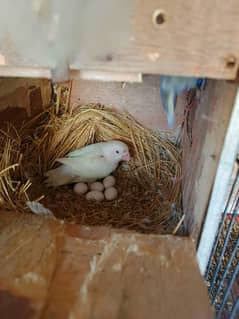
81	163
90	167
75	161
171	102
165	93
86	151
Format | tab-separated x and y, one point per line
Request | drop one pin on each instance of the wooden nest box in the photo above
55	269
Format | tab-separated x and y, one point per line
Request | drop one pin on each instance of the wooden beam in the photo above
106	76
27	71
169	37
192	38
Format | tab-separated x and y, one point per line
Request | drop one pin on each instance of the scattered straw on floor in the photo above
149	187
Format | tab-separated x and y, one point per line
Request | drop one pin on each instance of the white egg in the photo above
95	196
97	186
109	181
110	193
80	188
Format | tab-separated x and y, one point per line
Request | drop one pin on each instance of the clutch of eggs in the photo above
98	191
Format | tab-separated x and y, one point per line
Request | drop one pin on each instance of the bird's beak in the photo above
126	157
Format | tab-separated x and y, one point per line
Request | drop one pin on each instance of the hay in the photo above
149	187
13	185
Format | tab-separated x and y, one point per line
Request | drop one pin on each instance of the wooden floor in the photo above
51	270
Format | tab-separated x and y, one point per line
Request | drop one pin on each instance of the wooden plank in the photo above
107	76
12	306
107	274
188	38
29	94
24	71
142	100
197	39
200	160
95	272
21	98
27	262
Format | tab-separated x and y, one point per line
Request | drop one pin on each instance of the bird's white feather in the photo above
87	164
89	167
95	149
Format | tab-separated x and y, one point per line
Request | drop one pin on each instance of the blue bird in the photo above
171	87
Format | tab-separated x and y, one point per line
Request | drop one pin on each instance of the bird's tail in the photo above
171	110
57	177
168	99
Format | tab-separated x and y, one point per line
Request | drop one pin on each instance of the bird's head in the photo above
116	151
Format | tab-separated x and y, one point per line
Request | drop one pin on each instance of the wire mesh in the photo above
222	274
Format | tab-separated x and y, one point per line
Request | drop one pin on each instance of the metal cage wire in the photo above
222	274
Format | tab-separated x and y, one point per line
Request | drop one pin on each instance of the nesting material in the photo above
149	187
14	185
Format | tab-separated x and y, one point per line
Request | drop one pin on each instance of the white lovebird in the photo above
88	164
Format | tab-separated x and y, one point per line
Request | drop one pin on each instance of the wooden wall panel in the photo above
197	38
200	160
24	93
21	98
142	100
54	272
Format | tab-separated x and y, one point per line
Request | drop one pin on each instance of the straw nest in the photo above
149	187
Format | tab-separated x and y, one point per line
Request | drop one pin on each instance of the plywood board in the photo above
209	122
27	262
197	38
96	272
21	98
194	38
28	94
142	100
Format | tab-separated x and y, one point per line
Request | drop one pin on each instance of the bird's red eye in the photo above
117	152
